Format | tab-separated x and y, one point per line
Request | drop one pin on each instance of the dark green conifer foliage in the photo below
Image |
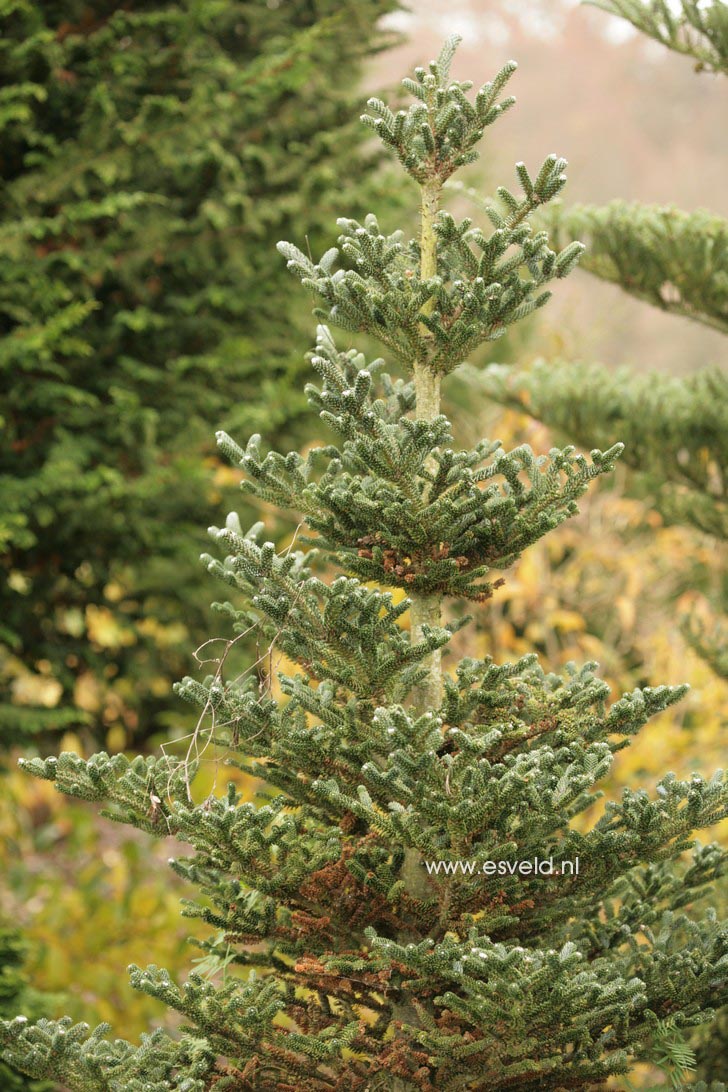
354	952
152	153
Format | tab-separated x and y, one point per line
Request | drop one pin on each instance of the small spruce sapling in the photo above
365	943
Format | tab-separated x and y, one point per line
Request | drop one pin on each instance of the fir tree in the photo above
151	156
372	902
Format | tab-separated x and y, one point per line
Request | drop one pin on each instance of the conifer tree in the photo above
378	919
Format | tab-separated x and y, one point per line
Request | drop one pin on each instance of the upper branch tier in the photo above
474	284
394	503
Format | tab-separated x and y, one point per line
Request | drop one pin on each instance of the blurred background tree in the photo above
152	155
17	995
697	28
675	430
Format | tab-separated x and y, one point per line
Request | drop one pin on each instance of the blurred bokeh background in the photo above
152	155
